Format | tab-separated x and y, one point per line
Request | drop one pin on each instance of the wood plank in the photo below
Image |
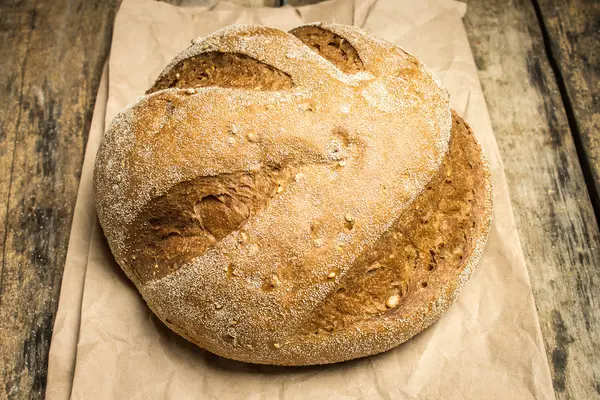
13	46
51	58
573	32
554	216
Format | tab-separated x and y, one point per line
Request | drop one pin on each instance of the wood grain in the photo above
573	32
554	216
51	58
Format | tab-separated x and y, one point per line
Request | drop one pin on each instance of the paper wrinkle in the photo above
381	391
338	11
488	345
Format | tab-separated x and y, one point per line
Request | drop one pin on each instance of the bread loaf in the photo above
294	198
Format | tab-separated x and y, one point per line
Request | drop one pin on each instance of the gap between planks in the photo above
571	118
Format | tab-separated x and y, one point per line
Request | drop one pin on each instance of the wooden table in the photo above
539	66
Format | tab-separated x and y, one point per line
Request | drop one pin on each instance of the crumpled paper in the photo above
108	345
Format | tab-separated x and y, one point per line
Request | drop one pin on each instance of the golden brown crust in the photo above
330	46
428	245
257	182
225	70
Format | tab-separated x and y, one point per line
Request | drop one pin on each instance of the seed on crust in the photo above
252	137
392	301
274	281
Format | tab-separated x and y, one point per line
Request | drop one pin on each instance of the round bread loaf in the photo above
294	198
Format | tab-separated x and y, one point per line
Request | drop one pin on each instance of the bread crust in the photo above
289	200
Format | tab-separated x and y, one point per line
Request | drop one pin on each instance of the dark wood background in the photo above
538	62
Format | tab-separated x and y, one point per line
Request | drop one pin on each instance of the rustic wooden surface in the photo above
51	58
572	29
51	61
554	216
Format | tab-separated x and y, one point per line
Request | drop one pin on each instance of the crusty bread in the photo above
294	199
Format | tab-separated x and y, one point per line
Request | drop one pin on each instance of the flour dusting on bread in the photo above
293	198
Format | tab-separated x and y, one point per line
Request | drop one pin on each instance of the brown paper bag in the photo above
107	344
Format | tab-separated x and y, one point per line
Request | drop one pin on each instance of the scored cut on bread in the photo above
294	198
